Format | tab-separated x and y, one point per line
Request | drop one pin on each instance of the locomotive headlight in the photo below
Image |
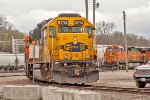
75	40
87	56
65	56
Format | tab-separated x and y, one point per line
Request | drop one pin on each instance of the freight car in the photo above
66	50
11	62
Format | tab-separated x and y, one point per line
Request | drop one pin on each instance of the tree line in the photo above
107	35
7	30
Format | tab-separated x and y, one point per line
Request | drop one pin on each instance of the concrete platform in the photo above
87	95
47	92
58	94
34	92
69	94
29	92
54	93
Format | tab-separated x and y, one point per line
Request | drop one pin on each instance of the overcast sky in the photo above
25	14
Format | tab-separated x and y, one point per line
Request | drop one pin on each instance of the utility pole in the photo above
95	5
125	39
94	2
87	9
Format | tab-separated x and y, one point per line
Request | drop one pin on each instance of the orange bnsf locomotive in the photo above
115	56
66	50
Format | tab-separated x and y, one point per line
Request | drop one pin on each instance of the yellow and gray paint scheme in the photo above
67	54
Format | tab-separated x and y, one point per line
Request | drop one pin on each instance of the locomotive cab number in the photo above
78	22
62	22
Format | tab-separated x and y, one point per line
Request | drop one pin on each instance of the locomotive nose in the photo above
73	46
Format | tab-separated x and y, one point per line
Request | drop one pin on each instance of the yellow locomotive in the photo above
66	50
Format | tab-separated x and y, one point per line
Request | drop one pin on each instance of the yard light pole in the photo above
125	39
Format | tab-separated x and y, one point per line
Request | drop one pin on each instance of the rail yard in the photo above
61	61
55	63
67	54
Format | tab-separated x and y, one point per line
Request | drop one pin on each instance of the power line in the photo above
111	15
107	14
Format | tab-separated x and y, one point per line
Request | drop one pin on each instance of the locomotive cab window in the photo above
116	49
52	31
63	29
76	29
109	50
88	30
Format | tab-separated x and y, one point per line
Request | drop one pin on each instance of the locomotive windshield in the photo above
116	49
113	49
76	30
109	50
63	29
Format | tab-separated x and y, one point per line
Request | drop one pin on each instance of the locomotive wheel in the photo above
45	72
26	69
83	84
30	72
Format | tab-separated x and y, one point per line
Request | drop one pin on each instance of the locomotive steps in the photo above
35	92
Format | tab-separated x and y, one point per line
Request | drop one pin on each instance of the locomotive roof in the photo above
69	15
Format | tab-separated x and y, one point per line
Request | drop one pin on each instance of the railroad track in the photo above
90	87
11	75
12	71
98	88
120	89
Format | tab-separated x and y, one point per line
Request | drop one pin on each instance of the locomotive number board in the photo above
65	22
62	22
78	22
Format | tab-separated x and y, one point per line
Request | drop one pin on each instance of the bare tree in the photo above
117	38
103	27
3	22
